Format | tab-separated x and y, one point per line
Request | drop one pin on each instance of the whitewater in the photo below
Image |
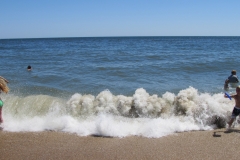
118	116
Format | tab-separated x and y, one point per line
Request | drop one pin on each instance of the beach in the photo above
118	98
214	144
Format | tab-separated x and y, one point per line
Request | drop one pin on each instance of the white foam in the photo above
118	116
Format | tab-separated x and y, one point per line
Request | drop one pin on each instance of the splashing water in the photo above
118	116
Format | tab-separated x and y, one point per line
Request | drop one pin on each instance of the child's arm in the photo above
226	95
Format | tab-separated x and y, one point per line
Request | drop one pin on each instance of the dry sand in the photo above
216	144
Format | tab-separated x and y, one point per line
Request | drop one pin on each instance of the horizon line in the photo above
108	37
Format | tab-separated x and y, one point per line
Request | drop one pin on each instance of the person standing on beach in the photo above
4	88
236	109
232	79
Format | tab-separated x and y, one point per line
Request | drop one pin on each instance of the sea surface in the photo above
117	86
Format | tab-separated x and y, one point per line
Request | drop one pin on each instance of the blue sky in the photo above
98	18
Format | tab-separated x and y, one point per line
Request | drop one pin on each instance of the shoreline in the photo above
214	144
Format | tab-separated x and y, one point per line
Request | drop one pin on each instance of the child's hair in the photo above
3	86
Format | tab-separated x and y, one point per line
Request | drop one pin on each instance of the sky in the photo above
104	18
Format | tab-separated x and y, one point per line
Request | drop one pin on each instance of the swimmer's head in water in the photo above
234	72
29	68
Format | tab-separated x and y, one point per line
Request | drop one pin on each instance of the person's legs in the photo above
235	113
230	122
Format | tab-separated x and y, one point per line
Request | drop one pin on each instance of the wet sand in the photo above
216	144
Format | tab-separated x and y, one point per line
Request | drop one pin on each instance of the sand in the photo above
215	144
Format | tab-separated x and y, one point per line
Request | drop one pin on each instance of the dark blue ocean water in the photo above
119	64
117	86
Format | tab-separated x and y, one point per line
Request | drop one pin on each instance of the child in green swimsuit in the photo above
4	88
1	105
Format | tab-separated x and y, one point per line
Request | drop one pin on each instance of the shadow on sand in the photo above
217	133
95	135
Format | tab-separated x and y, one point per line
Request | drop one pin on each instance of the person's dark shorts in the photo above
235	112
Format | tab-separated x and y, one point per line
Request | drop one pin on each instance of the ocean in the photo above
117	86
